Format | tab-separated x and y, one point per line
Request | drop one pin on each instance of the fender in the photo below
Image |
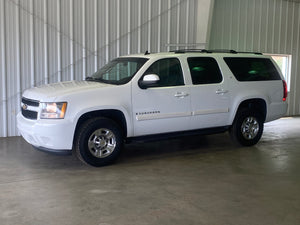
107	107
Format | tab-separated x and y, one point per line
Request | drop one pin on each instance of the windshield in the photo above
118	71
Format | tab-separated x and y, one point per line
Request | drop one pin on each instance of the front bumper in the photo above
52	134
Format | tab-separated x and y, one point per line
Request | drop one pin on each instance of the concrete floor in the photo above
192	180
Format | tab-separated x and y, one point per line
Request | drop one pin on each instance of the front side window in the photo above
169	72
204	70
252	69
118	71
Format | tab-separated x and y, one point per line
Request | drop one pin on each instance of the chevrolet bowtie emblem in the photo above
24	107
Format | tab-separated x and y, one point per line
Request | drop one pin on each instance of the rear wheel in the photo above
247	127
99	142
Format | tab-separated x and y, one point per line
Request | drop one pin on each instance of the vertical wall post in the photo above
72	72
159	26
3	102
187	22
128	27
169	26
58	36
139	25
106	31
252	29
18	56
149	25
46	76
118	28
178	23
96	35
31	33
83	42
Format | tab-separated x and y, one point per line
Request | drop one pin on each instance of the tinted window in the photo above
252	69
204	70
169	72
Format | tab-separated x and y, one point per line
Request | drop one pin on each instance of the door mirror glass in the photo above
149	80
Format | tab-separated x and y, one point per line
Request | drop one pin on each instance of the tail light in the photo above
284	91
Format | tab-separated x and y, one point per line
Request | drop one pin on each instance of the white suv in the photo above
153	96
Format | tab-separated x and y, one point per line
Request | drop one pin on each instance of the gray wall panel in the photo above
45	41
268	26
192	8
154	25
12	55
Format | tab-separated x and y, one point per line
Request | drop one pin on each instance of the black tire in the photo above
98	142
247	127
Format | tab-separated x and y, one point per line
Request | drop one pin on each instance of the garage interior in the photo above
188	180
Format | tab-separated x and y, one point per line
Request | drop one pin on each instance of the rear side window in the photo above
252	69
204	70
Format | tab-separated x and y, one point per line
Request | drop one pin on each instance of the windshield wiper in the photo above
98	79
89	78
95	79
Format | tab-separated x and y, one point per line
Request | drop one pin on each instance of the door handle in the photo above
181	95
221	91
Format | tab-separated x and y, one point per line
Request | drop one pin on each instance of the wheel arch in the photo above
257	104
113	114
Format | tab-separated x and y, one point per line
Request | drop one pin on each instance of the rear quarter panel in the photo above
270	91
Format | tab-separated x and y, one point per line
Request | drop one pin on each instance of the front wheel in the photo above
98	142
247	127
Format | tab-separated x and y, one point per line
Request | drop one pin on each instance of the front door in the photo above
165	108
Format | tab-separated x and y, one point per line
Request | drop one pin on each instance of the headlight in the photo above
53	110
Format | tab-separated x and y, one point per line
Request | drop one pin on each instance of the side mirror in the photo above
149	80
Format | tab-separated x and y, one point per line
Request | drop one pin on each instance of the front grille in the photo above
29	114
30	102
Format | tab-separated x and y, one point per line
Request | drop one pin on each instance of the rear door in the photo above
209	93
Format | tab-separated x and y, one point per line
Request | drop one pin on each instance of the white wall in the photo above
204	19
267	26
45	41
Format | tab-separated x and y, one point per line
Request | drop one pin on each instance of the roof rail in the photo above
213	51
255	53
232	51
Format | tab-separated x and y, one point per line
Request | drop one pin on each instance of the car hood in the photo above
51	91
